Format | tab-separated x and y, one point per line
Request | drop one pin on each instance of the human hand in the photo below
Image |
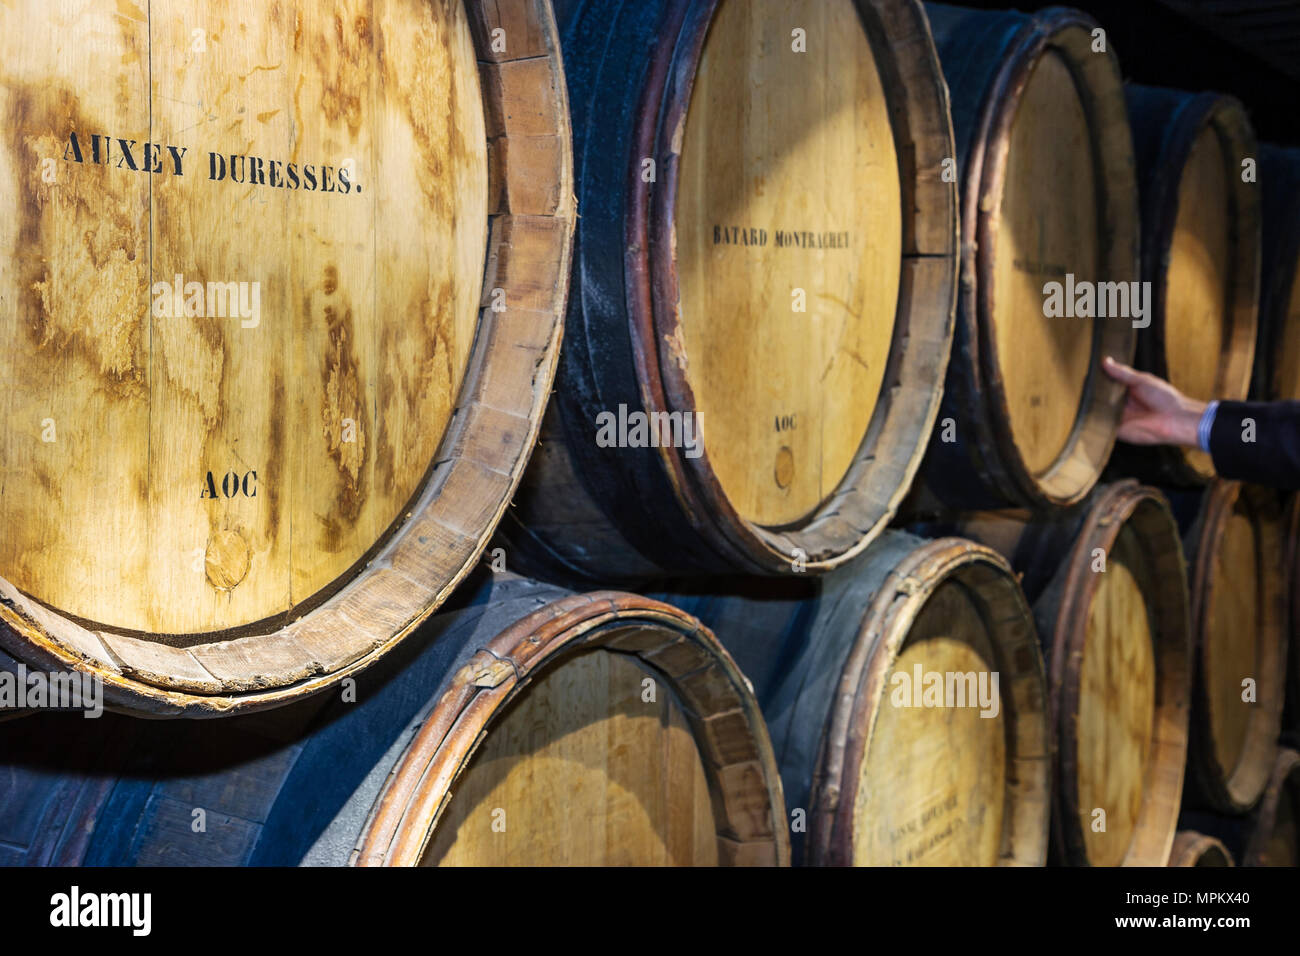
1155	413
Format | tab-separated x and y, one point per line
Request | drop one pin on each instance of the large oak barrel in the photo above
1201	254
283	293
594	729
1048	195
1277	353
1270	834
764	284
1109	593
1275	832
1235	557
906	699
1196	849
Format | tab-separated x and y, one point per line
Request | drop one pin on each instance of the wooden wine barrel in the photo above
527	726
1291	690
1197	849
1201	254
1275	834
764	284
1109	593
1277	353
1270	834
1048	195
1235	556
878	771
244	480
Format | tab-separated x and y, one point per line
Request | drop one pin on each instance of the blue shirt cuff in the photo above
1207	424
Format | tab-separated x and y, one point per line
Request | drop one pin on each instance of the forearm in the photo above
1185	424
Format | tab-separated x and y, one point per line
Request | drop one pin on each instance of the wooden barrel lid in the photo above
1196	849
1201	254
1198	276
1117	702
1238	610
272	278
1048	195
1047	227
943	805
1117	623
1063	145
900	784
776	257
653	729
788	186
1109	591
581	750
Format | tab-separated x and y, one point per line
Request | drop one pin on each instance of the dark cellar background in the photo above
1248	48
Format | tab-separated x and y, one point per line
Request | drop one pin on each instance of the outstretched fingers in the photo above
1121	372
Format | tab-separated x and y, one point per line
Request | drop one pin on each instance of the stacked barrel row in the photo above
805	301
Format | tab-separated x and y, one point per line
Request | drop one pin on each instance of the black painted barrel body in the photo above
489	704
1277	352
286	787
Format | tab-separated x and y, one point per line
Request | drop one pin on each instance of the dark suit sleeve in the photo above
1258	442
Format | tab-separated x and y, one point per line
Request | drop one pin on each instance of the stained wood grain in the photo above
348	324
288	491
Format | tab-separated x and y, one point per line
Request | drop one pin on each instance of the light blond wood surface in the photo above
1230	651
785	148
1046	228
1117	704
1239	579
933	784
583	772
1200	260
337	398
